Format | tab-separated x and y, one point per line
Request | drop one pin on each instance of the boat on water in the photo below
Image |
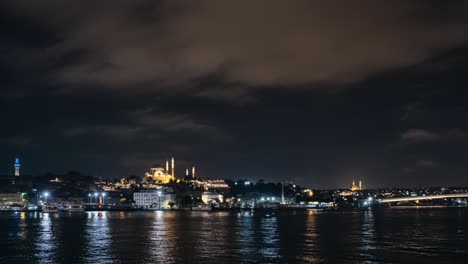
50	208
73	208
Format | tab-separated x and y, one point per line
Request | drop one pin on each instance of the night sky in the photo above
316	92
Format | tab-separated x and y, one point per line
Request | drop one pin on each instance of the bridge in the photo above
427	197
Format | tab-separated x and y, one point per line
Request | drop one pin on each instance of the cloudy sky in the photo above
317	93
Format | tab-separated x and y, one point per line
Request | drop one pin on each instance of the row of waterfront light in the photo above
96	194
46	194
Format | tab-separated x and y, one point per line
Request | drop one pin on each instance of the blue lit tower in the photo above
17	167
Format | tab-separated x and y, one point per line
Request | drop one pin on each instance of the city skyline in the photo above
314	93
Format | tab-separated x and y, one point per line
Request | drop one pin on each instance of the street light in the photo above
46	194
89	198
103	200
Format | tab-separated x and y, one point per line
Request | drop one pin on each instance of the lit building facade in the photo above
158	198
11	198
209	197
216	184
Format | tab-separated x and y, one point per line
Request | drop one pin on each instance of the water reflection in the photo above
212	236
368	240
160	240
98	237
389	236
270	239
244	235
46	242
311	235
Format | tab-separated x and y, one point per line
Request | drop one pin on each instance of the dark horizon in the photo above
319	94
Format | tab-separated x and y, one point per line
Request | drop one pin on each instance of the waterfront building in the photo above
216	184
158	198
148	198
11	198
209	197
212	185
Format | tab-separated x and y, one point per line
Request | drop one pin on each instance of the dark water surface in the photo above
393	235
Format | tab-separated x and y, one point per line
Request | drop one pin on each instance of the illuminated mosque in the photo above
161	175
356	188
158	174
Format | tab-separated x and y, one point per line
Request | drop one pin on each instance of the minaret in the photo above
167	166
353	184
193	172
172	168
186	172
17	167
360	185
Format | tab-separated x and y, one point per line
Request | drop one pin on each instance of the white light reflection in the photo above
270	239
98	246
162	239
245	235
368	240
46	242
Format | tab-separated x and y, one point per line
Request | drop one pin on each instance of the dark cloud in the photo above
259	43
147	123
419	135
423	135
426	163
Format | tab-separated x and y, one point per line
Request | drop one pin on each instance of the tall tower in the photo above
186	172
354	184
172	168
167	166
193	172
360	185
17	167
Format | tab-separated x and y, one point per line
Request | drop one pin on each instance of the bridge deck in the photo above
427	197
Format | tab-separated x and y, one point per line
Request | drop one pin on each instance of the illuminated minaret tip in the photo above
360	185
186	172
17	167
172	167
193	172
167	166
353	183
